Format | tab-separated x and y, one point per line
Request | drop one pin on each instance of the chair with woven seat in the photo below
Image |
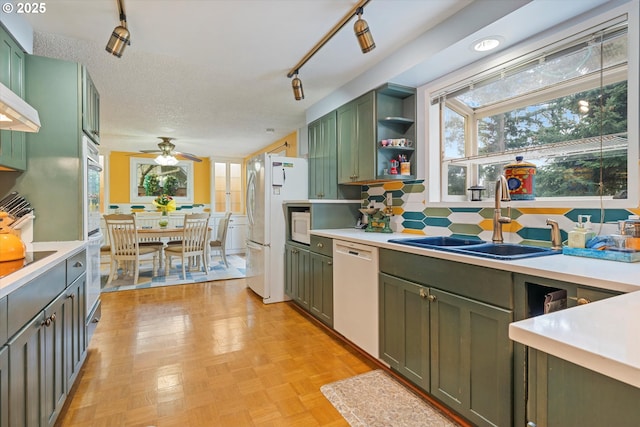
195	234
123	239
221	238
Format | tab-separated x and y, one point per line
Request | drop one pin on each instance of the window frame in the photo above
436	173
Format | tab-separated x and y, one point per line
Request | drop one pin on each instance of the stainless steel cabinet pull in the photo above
431	298
423	293
78	264
531	424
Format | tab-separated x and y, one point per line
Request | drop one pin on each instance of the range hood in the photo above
15	113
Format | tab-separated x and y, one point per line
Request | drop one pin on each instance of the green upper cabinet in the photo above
356	140
90	107
395	132
323	183
12	144
377	136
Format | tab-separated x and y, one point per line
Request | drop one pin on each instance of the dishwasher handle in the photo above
358	253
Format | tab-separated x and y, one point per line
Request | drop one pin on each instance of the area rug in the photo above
376	399
217	271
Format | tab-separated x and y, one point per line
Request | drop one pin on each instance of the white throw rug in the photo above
375	399
217	271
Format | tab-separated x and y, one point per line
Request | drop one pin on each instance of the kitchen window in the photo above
562	107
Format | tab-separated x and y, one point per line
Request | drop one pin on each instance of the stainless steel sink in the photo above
502	251
437	241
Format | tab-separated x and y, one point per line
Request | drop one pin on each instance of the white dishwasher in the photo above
355	294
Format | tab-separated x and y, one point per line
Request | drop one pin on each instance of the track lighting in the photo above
365	39
120	36
296	84
361	28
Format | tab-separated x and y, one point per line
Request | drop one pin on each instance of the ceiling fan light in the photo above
165	160
365	39
118	41
298	92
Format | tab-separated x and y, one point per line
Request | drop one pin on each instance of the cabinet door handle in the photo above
72	296
423	293
78	264
320	245
329	262
531	424
431	298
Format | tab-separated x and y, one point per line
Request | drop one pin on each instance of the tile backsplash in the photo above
412	215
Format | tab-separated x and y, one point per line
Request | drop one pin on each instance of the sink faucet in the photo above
502	194
556	240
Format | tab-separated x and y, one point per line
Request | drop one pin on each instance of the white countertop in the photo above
601	336
18	278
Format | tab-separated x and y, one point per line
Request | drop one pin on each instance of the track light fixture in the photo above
361	28
120	36
296	84
365	39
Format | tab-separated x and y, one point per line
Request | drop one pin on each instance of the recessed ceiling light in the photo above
486	44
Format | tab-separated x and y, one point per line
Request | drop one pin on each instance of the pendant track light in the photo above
365	39
361	28
120	36
296	84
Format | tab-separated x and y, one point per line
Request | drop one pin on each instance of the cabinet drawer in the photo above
3	321
76	265
31	298
321	245
594	294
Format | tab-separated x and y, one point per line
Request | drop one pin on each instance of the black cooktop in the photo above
30	258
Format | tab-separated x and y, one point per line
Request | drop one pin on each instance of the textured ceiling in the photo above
212	73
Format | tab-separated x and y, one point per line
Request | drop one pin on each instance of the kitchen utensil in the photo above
11	247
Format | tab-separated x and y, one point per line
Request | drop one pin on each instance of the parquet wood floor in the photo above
207	354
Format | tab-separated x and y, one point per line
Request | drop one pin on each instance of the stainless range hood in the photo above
15	113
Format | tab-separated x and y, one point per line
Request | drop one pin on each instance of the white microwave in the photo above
300	226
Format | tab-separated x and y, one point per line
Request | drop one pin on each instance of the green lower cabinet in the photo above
76	339
26	355
4	386
471	358
564	394
404	328
37	383
321	288
297	277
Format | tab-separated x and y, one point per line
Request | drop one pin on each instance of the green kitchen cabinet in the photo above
468	352
55	161
471	358
396	120
12	75
404	328
356	140
323	182
297	283
76	342
4	386
562	394
321	279
90	107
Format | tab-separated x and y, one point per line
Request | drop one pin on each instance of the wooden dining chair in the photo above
195	233
221	238
149	220
125	247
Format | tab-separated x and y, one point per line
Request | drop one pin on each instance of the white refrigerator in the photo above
271	180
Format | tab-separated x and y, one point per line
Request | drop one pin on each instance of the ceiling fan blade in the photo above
188	156
150	151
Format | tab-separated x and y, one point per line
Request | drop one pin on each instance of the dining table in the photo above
163	234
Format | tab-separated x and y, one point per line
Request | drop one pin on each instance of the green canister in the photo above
521	177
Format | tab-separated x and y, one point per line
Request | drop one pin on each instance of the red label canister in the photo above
521	178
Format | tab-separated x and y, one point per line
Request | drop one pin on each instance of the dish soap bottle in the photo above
582	232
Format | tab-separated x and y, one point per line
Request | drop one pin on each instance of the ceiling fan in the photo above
167	154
